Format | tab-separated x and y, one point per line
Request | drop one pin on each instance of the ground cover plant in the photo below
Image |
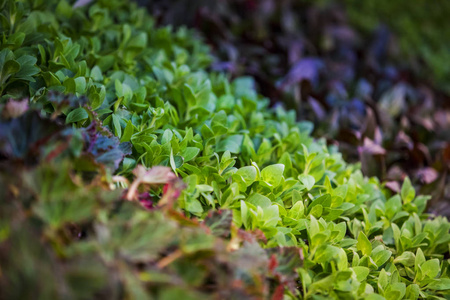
372	89
132	172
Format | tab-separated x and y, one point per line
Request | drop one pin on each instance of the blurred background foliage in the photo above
422	29
371	75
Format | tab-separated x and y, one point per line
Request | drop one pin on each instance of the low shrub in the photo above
382	106
144	111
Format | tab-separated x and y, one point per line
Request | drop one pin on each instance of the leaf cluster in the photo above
115	94
362	72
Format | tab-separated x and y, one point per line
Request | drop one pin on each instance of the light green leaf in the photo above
364	244
408	193
393	205
441	284
407	259
190	153
272	174
313	226
420	259
430	268
395	291
194	206
248	174
307	180
381	257
297	211
259	200
412	292
374	297
361	273
244	214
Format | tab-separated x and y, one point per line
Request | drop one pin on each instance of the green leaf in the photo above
271	215
296	196
364	244
244	214
430	268
297	211
232	143
381	257
207	133
326	253
190	153
397	234
395	291
193	206
272	174
50	79
105	62
374	297
77	115
75	85
10	67
248	174
117	126
64	9
189	94
128	132
316	211
420	259
407	259
361	273
219	123
70	85
138	41
307	180
96	74
16	39
173	163
166	137
313	226
340	191
408	193
80	83
393	205
441	284
383	280
27	67
412	292
97	97
259	200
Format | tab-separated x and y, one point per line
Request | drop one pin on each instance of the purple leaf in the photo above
306	69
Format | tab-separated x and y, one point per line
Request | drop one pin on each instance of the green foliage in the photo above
148	86
360	91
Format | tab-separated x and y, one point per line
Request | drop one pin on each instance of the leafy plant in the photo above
366	80
131	106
